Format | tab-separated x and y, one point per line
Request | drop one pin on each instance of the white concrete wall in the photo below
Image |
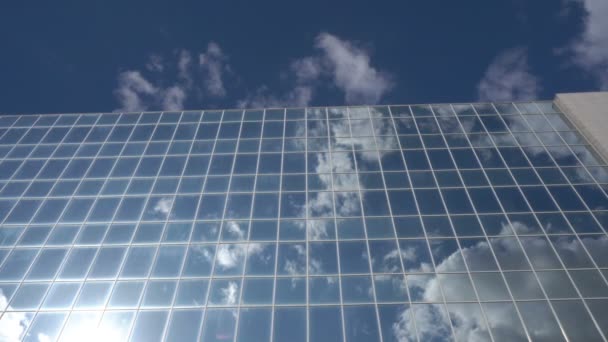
589	113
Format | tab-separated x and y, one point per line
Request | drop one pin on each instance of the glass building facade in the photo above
467	222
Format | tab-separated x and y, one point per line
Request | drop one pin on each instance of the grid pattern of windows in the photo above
389	223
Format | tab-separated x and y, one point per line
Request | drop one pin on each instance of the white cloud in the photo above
508	78
43	338
235	230
337	63
167	84
590	50
233	255
307	68
470	325
229	256
134	91
229	293
213	64
296	264
184	64
350	67
163	207
12	324
173	98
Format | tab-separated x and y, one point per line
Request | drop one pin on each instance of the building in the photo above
470	222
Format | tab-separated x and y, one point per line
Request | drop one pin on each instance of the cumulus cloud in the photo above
590	49
12	324
296	263
350	67
336	63
508	78
230	256
230	293
134	91
468	321
163	206
173	98
167	83
214	64
234	229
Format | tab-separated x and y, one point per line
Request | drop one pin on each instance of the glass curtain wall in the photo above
391	223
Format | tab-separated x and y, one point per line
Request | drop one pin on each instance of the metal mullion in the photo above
371	270
276	254
187	244
405	281
536	219
221	223
307	243
340	274
246	256
426	237
182	177
576	235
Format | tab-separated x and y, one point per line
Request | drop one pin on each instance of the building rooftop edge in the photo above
286	107
588	113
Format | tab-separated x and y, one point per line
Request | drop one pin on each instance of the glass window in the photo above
126	294
360	323
290	324
149	325
191	293
61	296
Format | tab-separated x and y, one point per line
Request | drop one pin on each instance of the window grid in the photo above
394	228
482	128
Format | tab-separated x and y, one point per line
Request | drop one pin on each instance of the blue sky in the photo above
89	56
